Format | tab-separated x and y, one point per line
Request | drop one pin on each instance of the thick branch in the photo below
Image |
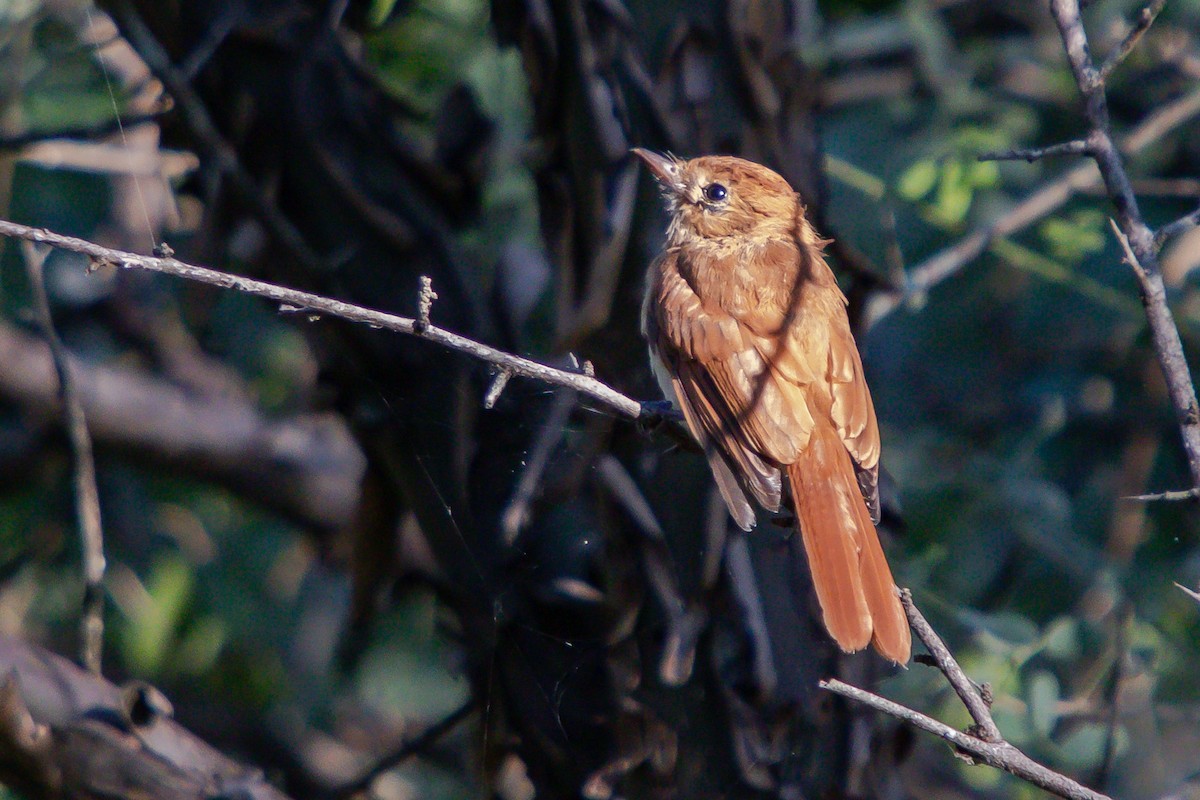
65	732
584	384
306	467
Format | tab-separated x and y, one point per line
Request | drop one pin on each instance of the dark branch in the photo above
87	496
306	466
1172	229
412	747
1074	148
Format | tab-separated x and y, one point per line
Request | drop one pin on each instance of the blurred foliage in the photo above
1019	401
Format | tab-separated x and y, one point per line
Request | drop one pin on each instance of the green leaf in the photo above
918	180
954	194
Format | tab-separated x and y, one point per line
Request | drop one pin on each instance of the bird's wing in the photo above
815	363
735	405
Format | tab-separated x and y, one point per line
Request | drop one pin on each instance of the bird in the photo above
749	337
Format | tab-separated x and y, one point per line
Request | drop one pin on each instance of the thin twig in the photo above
1031	154
1130	257
1145	20
1174	497
1142	250
582	383
1172	229
497	387
1000	755
947	262
17	141
87	497
410	748
963	686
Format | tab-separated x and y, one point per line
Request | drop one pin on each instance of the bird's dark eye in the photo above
715	192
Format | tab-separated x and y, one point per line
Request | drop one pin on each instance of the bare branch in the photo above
584	384
87	497
1074	148
1184	494
412	747
964	687
1145	20
498	383
1000	755
65	732
925	275
1130	257
983	742
1192	593
1172	229
1139	242
306	466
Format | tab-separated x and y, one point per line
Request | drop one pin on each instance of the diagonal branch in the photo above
294	299
87	497
1142	244
1041	203
1000	755
975	700
1145	20
983	742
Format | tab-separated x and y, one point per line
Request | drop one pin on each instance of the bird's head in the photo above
721	199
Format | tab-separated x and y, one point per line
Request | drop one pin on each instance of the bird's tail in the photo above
854	584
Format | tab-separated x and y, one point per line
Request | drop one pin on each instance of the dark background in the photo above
312	539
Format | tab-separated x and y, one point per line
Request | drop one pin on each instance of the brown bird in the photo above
749	336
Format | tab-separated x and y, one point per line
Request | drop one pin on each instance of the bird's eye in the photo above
715	192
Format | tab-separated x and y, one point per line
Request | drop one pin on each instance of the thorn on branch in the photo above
1130	258
1189	592
1073	148
425	298
96	263
498	384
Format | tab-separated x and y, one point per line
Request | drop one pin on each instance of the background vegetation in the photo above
313	544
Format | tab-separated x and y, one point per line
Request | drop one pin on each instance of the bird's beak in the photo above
664	168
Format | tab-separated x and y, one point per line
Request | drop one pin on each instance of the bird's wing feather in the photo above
730	397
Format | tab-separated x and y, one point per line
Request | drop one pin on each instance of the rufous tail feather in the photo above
854	584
